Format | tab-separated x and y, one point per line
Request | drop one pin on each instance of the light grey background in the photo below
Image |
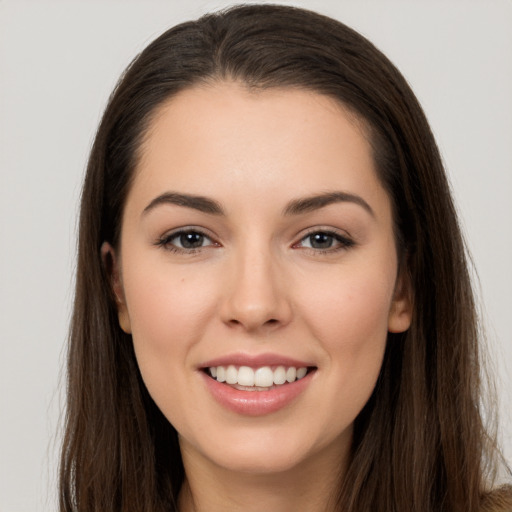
58	64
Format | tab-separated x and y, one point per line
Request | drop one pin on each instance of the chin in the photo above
258	461
272	451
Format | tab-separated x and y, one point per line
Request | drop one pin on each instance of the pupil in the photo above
191	240
321	241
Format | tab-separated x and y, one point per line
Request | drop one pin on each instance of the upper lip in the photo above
255	361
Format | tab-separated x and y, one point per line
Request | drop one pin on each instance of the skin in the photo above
259	285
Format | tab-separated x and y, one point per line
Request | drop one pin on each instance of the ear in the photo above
400	313
112	266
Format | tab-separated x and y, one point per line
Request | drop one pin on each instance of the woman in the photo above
273	308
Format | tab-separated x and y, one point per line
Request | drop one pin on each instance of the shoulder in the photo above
498	500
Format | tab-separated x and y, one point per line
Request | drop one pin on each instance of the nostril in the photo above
271	321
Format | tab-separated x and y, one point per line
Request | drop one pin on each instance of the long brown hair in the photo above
420	442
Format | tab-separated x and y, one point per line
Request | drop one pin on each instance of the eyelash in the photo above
343	241
166	241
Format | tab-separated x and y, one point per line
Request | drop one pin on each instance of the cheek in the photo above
349	309
350	322
168	312
166	305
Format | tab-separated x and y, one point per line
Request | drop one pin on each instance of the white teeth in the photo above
301	372
245	376
263	377
291	374
231	375
221	374
279	375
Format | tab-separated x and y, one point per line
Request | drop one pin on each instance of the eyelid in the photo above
164	240
344	240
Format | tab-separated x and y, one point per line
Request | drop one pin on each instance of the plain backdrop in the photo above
58	63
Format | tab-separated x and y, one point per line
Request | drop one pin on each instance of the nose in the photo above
255	298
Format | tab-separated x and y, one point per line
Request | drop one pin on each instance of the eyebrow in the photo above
203	204
308	204
294	207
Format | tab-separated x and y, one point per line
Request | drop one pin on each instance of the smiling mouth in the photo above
263	378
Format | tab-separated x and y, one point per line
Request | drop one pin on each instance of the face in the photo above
257	245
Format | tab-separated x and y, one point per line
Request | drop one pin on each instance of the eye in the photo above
325	241
188	240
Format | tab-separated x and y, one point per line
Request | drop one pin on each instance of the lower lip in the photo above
256	403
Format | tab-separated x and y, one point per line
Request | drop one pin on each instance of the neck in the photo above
310	487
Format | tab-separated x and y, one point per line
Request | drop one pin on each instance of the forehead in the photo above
275	142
